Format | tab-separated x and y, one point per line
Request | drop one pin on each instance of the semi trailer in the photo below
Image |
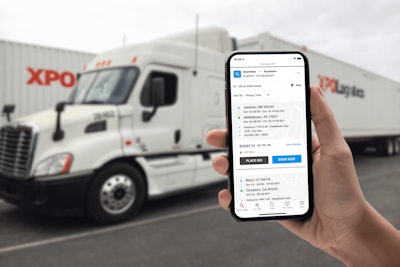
35	78
366	105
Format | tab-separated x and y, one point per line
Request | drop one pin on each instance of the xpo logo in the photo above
47	77
327	83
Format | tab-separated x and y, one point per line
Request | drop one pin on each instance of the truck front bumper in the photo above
57	196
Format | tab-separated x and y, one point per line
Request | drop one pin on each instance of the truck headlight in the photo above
58	164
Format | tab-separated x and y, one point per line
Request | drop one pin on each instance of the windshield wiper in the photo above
95	102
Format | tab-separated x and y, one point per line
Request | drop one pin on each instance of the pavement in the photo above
188	229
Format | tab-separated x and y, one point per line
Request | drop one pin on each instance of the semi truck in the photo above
134	126
133	129
35	78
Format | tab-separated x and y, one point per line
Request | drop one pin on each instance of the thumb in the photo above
325	124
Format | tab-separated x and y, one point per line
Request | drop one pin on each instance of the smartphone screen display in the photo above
269	135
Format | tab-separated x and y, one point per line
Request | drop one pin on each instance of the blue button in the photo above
237	74
286	159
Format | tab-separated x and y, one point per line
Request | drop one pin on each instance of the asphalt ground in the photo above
188	229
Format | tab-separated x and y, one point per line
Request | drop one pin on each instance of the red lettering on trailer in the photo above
66	78
51	76
327	83
35	76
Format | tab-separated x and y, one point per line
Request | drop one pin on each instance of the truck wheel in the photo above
396	146
387	147
116	194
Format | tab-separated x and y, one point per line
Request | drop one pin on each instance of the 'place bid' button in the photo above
253	160
286	159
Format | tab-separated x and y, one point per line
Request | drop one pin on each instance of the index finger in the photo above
323	118
217	137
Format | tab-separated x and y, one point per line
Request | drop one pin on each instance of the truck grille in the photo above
16	147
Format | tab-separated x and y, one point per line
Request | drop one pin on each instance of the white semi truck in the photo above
35	78
133	129
135	124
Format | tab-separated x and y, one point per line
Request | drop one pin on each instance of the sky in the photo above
365	33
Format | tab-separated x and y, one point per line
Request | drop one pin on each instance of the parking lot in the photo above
188	229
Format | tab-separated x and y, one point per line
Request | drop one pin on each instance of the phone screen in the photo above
269	125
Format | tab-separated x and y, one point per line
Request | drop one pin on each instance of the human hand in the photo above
339	205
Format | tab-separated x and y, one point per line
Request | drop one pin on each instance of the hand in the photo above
339	205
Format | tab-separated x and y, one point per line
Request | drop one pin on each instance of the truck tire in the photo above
386	147
116	194
396	146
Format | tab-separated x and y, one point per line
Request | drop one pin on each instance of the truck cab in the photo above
133	129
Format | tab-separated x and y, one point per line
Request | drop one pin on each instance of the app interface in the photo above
268	110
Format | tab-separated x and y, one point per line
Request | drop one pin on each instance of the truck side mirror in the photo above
60	106
157	93
8	109
59	133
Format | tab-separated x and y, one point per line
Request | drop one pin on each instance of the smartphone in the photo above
269	135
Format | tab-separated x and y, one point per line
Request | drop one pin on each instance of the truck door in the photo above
158	131
158	128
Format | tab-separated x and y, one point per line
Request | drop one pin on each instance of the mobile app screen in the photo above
269	134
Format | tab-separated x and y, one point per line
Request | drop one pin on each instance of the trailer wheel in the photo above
116	194
386	147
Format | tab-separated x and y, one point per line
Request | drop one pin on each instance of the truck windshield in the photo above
112	86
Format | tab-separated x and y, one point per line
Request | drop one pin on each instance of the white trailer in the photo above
366	105
34	78
134	129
